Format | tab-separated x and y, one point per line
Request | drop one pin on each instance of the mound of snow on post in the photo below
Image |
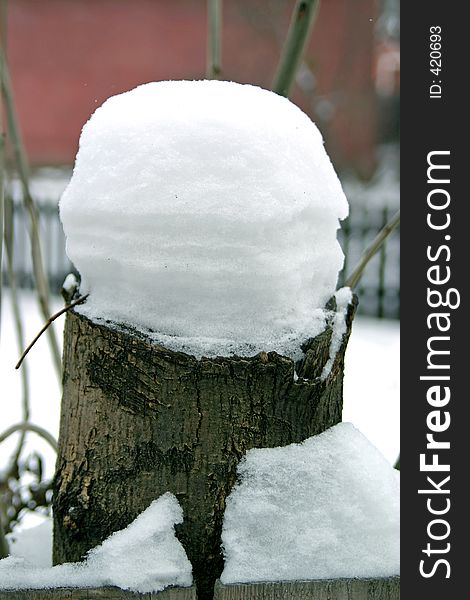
144	557
324	509
205	213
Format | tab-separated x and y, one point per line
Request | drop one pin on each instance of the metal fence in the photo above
379	288
378	291
56	263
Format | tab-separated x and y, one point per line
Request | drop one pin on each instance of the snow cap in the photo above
205	212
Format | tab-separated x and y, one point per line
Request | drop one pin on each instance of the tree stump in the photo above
139	420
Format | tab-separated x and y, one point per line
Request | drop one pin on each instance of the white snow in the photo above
343	298
33	544
371	394
144	557
206	212
70	283
326	508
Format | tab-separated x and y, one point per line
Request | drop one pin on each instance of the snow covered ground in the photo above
371	395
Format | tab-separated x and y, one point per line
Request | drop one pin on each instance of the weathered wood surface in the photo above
110	593
139	420
339	589
336	589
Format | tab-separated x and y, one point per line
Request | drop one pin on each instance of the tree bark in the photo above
139	420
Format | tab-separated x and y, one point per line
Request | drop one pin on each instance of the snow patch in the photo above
33	544
144	557
343	300
70	283
324	509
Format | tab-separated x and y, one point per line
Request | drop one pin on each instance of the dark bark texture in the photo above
139	420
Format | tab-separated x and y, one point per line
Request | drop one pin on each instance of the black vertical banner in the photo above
435	316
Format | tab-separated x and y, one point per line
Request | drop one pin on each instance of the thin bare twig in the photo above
214	29
1	229
29	427
1	243
40	277
9	237
2	184
49	321
4	550
371	250
300	26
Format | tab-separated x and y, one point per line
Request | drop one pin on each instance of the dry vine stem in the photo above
371	250
23	427
49	322
4	550
2	168
40	276
214	24
300	26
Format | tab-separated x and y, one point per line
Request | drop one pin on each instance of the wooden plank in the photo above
108	593
337	589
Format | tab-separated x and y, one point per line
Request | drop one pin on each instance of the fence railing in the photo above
378	290
56	263
379	287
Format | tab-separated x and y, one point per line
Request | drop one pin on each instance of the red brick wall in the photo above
68	56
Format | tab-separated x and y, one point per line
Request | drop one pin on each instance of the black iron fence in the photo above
379	287
378	291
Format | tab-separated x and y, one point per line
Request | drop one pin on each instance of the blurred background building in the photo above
67	56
